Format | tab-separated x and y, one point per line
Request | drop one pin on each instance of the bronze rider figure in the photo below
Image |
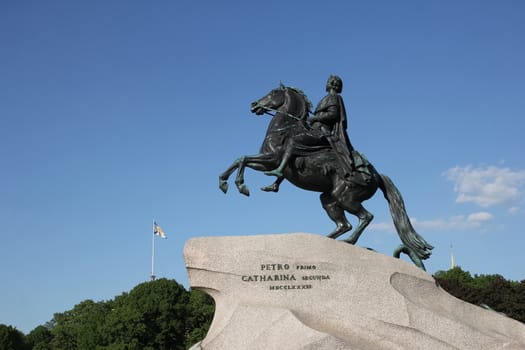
327	127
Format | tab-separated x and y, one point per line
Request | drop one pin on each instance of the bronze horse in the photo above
317	169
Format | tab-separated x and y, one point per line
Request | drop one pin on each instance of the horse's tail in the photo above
404	228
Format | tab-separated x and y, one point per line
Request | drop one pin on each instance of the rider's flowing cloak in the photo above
339	139
341	127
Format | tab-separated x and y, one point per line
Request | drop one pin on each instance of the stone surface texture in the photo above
304	291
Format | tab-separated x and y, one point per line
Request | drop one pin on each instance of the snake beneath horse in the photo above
318	170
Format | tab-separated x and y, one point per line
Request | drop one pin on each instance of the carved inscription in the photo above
284	276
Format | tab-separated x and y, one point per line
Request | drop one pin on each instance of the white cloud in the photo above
486	186
382	226
458	222
478	218
515	210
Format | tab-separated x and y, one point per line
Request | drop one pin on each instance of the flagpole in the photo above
153	252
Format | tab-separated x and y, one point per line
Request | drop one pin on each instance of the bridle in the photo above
268	110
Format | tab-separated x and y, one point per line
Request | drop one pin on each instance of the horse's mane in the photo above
301	93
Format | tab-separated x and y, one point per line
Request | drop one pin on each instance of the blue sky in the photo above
116	113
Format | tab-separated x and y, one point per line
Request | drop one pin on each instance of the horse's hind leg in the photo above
337	214
365	217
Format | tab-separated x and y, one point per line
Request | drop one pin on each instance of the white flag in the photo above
157	230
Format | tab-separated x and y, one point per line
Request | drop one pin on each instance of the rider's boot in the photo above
273	187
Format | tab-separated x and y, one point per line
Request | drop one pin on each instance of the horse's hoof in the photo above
223	185
339	231
351	240
333	235
244	190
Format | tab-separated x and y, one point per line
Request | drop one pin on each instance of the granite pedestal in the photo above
304	291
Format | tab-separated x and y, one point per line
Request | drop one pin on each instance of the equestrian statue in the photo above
315	153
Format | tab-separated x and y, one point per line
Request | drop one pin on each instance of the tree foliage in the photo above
80	328
40	338
11	338
201	310
493	291
151	316
157	315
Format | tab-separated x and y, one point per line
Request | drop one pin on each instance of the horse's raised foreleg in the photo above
259	162
223	178
239	179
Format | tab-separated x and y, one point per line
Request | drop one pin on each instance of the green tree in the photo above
40	338
11	338
458	283
154	315
494	291
81	327
518	310
200	314
151	316
456	274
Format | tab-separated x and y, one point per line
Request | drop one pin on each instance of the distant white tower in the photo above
452	262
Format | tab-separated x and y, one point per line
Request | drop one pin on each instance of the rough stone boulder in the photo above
304	291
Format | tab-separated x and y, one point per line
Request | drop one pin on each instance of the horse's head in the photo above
284	99
269	102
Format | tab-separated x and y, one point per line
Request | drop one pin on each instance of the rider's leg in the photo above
284	160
